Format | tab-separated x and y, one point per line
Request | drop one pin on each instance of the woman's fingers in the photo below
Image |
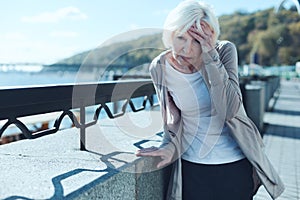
197	36
150	151
204	36
164	154
206	28
163	163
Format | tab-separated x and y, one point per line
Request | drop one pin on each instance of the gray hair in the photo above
186	14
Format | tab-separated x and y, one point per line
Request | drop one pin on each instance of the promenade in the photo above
282	140
53	167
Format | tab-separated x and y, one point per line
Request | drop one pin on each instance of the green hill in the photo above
273	37
122	54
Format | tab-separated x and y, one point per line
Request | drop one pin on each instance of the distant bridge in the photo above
296	2
28	67
21	64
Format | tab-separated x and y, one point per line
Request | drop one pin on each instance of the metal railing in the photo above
28	101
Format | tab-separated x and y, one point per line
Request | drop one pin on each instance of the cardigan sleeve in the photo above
221	67
157	82
171	139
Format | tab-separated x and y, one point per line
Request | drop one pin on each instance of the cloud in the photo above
67	34
71	13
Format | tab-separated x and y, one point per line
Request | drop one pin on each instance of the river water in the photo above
23	78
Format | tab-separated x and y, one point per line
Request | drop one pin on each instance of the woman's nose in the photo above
187	47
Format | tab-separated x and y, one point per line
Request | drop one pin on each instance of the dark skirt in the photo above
232	181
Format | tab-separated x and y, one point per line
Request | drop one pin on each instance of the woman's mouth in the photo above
184	58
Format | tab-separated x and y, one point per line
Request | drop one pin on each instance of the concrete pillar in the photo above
254	104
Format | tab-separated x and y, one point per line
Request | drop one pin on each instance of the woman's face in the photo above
186	50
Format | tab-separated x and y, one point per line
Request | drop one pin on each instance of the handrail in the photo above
27	101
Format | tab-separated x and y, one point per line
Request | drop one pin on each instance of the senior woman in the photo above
216	150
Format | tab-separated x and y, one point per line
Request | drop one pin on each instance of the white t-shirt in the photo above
191	96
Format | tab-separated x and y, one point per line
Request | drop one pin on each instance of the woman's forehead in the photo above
182	31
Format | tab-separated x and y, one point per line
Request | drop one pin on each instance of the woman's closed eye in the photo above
180	37
196	41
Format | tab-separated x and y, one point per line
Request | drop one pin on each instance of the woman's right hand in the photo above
165	154
204	36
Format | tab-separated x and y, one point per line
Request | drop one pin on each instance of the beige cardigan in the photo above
221	77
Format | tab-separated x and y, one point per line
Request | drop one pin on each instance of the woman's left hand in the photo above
166	154
204	37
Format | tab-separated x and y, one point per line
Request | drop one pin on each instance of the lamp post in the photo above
296	2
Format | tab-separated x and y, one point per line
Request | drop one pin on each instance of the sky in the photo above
39	31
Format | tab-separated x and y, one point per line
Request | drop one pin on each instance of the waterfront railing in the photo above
16	103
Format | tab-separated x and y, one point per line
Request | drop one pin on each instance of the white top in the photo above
191	96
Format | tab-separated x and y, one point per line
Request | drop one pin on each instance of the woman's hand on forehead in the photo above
204	36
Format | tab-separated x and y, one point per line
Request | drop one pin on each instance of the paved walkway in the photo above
282	140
